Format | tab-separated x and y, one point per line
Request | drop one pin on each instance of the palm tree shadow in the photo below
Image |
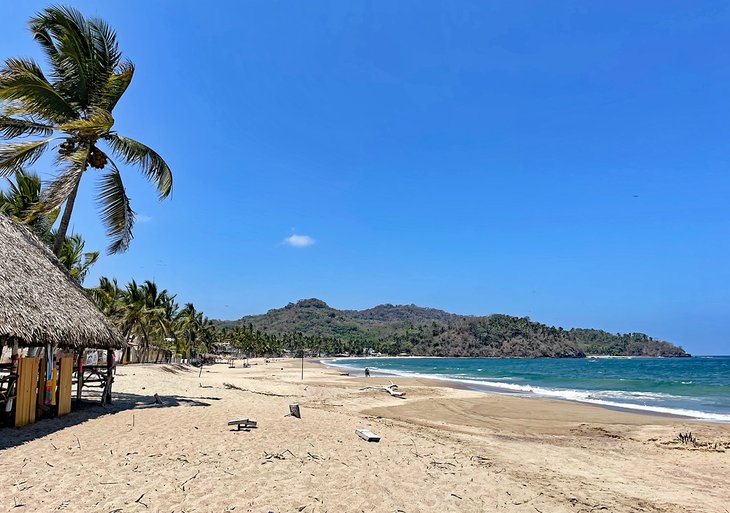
11	437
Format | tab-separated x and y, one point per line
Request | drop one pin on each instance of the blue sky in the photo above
569	161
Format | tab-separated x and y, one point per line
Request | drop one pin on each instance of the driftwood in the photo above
246	423
279	455
392	389
234	387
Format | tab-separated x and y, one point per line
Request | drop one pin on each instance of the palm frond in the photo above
15	155
64	36
115	86
15	127
83	53
61	187
151	163
23	81
95	124
116	212
106	48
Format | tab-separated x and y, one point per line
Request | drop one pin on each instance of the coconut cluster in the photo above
97	158
67	147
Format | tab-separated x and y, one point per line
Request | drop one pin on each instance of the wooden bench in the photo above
246	424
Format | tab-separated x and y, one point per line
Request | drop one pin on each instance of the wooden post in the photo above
107	399
80	375
64	384
13	383
26	392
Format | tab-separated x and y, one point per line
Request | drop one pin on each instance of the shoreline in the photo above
490	388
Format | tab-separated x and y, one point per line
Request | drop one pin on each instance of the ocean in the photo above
696	387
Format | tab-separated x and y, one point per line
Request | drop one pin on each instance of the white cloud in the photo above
299	241
141	218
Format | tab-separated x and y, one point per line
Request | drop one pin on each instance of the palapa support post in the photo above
107	399
13	383
80	377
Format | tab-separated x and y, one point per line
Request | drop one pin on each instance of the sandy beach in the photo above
442	449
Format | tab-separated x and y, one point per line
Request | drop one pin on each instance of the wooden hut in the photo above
42	307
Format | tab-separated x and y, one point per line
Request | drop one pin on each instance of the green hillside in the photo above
392	329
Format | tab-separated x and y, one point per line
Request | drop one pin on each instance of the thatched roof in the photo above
40	303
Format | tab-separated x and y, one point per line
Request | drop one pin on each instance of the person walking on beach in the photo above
367	372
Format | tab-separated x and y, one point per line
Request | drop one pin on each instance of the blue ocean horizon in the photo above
697	387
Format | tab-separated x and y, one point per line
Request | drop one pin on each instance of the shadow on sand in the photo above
11	437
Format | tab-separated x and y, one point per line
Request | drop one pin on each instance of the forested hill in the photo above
412	329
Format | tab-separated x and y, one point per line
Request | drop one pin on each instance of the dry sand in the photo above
442	449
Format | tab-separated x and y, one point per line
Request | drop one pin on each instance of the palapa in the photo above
40	303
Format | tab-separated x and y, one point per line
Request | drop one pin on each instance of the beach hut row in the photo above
47	322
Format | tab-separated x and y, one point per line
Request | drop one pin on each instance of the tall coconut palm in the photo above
72	110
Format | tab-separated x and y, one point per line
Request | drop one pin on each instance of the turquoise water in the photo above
697	387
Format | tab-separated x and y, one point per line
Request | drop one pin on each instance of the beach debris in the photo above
687	438
158	400
234	387
480	460
246	423
189	479
366	435
392	389
294	411
140	501
278	455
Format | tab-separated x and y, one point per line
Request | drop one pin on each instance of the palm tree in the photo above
73	257
73	111
188	322
108	297
19	199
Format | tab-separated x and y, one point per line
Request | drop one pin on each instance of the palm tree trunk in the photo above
65	219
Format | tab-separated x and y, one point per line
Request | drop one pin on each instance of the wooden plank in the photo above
41	387
27	392
79	376
246	423
33	392
366	435
64	384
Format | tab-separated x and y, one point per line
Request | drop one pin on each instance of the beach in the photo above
442	449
